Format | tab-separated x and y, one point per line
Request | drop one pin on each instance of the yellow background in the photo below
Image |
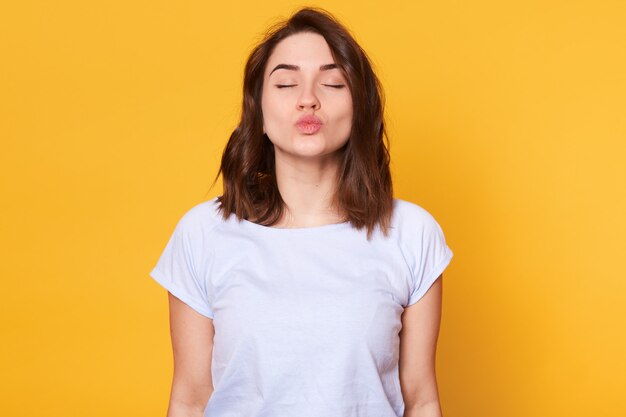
507	123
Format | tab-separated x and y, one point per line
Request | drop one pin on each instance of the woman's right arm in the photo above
192	345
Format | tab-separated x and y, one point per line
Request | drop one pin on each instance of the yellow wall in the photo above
507	122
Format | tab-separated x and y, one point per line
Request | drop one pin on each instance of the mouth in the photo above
309	128
309	124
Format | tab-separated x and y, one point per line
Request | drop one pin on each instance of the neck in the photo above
307	187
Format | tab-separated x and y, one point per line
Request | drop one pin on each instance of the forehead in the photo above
306	50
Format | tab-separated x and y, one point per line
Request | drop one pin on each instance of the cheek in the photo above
272	108
350	110
346	119
275	116
345	112
346	106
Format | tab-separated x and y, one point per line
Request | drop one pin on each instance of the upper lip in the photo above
309	119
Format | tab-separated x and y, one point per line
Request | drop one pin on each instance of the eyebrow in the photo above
290	67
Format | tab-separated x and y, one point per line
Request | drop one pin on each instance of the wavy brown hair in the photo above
364	192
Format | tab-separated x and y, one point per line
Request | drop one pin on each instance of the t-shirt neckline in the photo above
293	230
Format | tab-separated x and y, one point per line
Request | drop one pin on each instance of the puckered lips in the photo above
309	124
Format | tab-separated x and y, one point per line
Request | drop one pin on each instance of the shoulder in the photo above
414	225
200	219
409	215
421	240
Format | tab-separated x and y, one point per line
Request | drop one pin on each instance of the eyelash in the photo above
337	86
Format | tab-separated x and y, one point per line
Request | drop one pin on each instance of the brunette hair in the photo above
364	192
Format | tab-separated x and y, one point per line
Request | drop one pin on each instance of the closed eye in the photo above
327	85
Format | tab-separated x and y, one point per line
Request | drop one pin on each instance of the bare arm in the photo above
418	344
192	345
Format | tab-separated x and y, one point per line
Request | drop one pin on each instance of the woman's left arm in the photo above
418	345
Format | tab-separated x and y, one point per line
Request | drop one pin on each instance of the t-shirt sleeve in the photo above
431	255
179	268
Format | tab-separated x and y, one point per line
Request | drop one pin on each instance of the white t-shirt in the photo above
307	319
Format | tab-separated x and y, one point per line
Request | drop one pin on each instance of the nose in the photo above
308	98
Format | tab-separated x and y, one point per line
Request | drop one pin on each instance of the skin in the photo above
418	344
306	167
192	345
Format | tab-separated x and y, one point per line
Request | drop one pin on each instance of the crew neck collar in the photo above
292	230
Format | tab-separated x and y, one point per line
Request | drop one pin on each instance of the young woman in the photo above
306	288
